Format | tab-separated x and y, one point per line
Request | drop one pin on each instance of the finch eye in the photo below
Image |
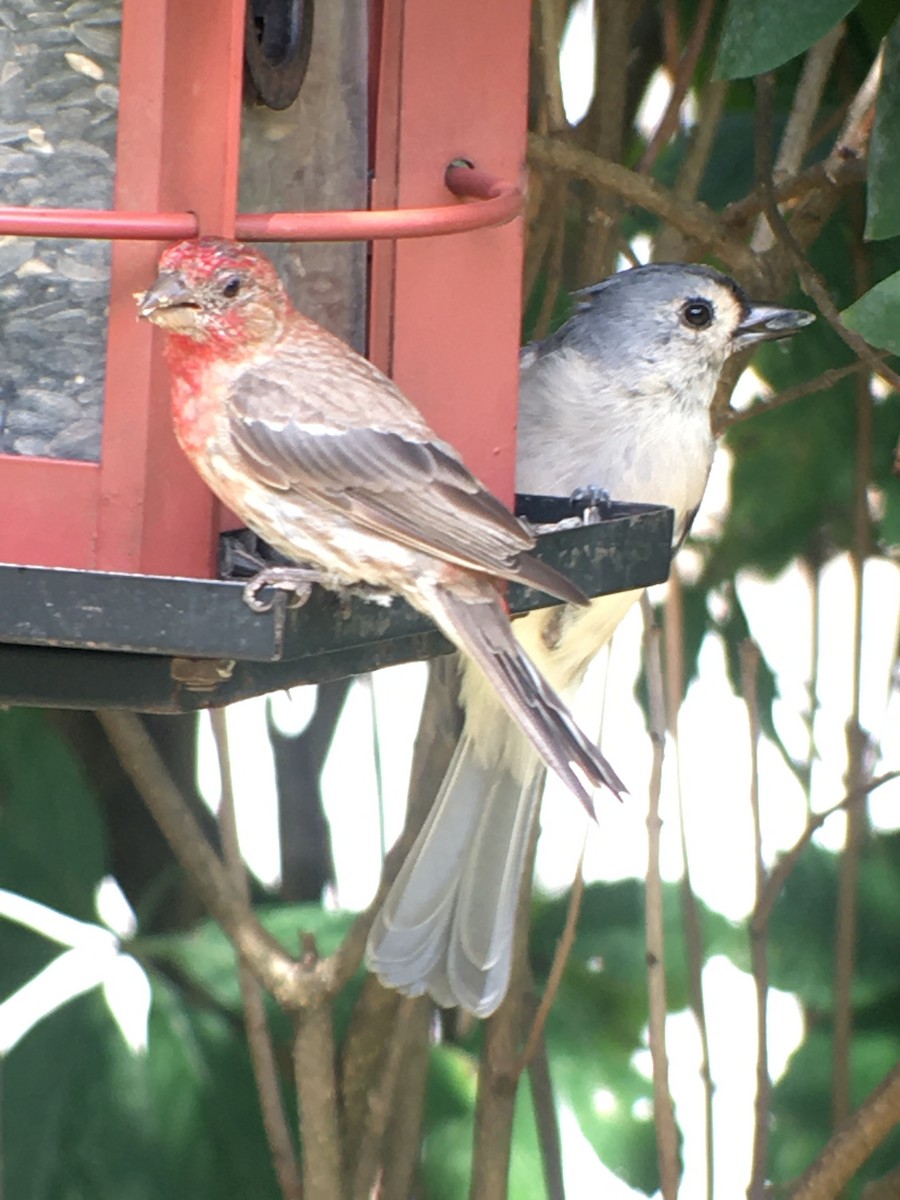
231	287
698	314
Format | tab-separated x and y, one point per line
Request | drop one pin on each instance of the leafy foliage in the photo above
883	205
760	35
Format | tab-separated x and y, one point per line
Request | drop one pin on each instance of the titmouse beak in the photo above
767	323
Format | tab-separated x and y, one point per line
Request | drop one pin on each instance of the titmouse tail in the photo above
447	924
481	629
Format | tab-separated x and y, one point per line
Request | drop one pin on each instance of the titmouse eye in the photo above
698	314
231	287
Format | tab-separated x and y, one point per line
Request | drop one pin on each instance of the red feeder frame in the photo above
91	614
450	82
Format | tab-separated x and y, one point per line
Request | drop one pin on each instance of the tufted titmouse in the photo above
618	398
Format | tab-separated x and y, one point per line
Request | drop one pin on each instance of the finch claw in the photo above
297	581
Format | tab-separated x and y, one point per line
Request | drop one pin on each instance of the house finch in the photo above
619	397
323	457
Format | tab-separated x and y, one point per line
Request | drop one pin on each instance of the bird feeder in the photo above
379	149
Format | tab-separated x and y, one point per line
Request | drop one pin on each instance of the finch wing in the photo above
294	420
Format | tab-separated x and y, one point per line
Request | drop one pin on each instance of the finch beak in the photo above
767	323
169	291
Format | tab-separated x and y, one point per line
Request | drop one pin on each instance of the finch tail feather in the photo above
481	629
447	924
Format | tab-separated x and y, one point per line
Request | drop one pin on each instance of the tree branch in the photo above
380	1100
816	181
316	1084
786	863
271	963
807	97
545	1120
557	967
758	935
687	65
862	1132
259	1038
695	220
663	1108
693	936
810	280
497	1079
821	382
403	1138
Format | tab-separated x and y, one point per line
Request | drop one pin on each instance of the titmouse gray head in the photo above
675	310
620	395
619	398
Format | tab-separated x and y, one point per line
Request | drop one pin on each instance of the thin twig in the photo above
810	280
271	963
814	180
663	1108
670	245
887	1187
687	64
857	743
758	934
603	132
497	1079
368	681
852	1144
259	1038
558	966
546	1121
853	140
671	36
820	383
374	1020
546	33
787	861
805	105
292	984
696	221
815	626
702	140
693	936
553	262
379	1101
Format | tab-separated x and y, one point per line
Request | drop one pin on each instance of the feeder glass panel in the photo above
59	74
312	155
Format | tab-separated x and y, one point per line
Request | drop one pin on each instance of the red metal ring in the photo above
498	202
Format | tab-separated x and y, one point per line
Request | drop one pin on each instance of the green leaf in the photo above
876	315
84	1116
883	196
450	1122
759	35
886	436
598	1020
801	931
52	841
801	1105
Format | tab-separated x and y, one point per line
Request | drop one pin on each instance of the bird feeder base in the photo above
91	639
